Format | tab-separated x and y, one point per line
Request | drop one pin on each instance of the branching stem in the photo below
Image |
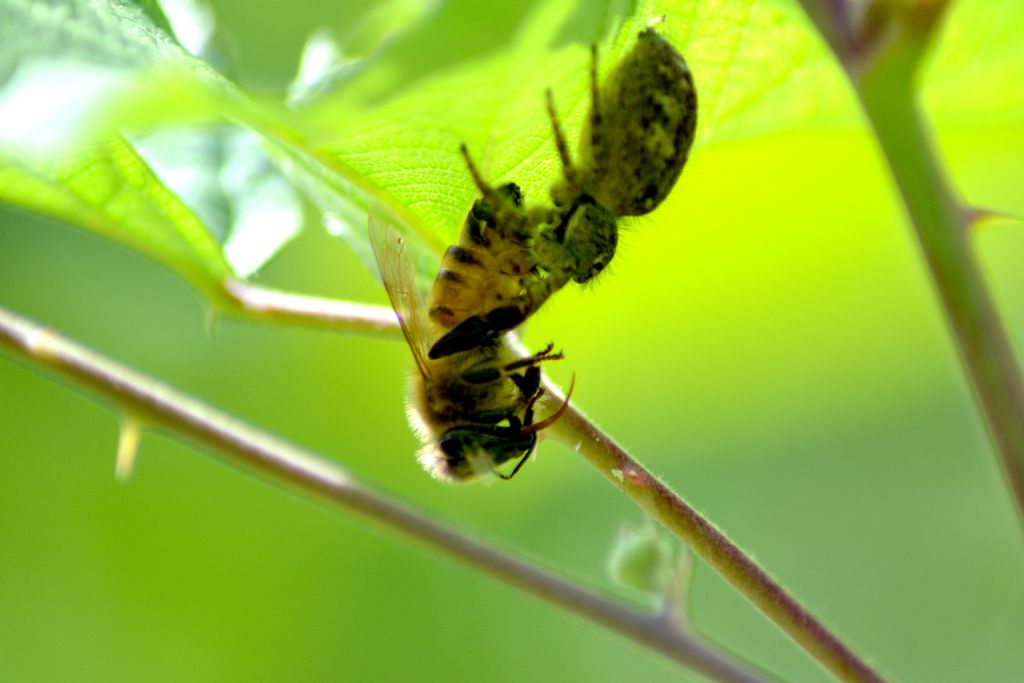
159	406
615	464
624	472
708	543
882	58
261	303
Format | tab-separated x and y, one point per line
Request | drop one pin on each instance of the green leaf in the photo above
107	188
234	187
329	60
153	11
759	66
407	143
386	129
244	210
112	32
139	77
67	61
322	66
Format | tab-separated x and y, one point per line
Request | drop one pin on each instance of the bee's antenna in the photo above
489	192
544	424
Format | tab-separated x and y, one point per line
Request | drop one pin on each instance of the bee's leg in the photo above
528	383
528	413
480	330
476	224
514	422
489	193
539	357
515	426
527	426
533	427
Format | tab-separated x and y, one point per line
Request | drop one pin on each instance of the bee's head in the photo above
465	453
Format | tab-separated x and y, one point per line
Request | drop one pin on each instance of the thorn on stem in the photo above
976	217
127	448
211	320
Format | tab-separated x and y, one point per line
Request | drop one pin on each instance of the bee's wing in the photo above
399	275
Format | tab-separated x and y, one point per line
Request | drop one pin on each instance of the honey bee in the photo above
637	139
507	263
473	409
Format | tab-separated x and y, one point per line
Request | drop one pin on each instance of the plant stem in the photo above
985	349
707	542
261	303
884	76
152	403
604	454
623	471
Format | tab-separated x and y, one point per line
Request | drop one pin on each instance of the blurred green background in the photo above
767	341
